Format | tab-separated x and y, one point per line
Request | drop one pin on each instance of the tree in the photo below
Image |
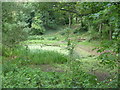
37	26
14	27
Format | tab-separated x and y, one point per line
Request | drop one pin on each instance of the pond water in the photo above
35	47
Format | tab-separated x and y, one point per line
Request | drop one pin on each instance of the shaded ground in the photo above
86	49
48	68
101	76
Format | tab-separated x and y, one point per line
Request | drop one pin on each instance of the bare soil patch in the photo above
47	68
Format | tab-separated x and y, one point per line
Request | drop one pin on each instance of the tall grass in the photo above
24	55
46	57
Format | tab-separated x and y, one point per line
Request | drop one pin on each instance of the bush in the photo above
37	26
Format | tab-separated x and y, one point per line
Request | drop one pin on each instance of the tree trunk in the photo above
110	34
76	20
100	31
69	20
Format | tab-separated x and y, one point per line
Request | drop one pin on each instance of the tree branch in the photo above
76	12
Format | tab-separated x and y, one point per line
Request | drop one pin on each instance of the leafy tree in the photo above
37	26
14	28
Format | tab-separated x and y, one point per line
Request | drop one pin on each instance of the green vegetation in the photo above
60	45
19	76
27	77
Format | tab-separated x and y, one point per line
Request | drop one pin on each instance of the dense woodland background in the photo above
101	20
70	22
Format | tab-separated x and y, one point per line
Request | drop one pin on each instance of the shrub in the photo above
37	26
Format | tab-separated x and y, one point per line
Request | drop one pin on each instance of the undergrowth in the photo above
26	77
18	74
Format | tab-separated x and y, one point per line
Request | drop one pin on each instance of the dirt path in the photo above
82	50
48	68
86	51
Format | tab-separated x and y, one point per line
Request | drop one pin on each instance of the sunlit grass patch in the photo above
34	48
40	57
38	41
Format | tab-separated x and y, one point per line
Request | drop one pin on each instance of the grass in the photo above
38	57
44	42
46	57
38	42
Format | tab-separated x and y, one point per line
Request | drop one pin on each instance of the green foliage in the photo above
9	66
109	53
26	77
37	27
101	20
81	78
93	35
71	43
13	34
14	28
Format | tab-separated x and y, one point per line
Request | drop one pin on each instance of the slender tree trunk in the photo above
110	34
76	20
100	31
81	22
69	20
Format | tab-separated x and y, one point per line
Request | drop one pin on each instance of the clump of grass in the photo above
47	57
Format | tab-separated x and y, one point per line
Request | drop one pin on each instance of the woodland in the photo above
60	44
